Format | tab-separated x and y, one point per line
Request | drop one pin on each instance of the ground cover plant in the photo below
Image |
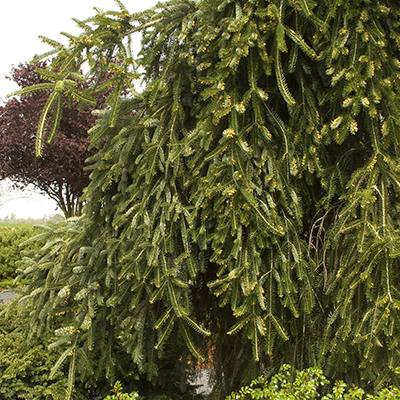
120	395
242	209
308	384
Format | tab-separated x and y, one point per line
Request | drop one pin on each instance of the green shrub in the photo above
119	395
26	364
306	385
25	367
7	283
11	239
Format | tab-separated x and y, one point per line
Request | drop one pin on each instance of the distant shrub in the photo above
29	221
11	239
306	385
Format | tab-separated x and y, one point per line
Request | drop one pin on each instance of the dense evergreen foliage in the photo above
245	204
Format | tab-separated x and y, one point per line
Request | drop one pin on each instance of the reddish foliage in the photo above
60	173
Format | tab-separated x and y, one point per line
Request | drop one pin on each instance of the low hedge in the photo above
11	240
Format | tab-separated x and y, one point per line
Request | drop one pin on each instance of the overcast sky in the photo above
21	22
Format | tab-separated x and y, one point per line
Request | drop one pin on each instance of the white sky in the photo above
21	22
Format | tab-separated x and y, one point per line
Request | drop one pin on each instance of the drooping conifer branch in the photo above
247	199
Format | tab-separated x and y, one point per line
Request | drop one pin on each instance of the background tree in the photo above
60	172
250	208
